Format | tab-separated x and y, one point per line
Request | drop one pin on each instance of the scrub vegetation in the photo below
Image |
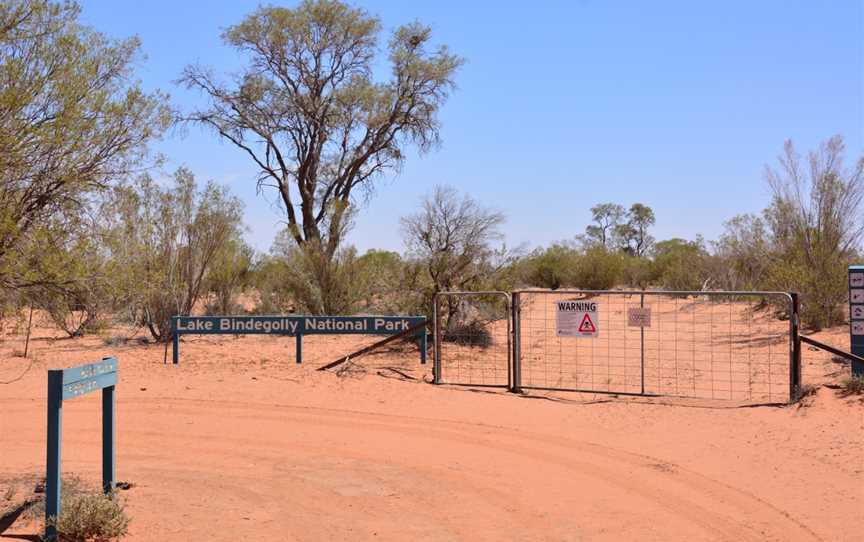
93	232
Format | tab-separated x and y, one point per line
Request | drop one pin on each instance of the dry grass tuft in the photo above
853	385
90	517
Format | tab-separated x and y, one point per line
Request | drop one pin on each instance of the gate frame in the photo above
794	322
436	333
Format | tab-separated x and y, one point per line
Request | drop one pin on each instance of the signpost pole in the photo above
52	471
175	346
423	345
108	439
856	316
298	354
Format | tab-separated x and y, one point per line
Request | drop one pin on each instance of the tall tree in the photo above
606	216
169	240
633	234
817	224
453	236
310	116
71	118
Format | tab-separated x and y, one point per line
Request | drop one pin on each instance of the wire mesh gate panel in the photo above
472	338
713	345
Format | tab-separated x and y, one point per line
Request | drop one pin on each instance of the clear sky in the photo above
561	105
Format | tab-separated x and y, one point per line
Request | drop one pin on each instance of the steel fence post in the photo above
642	345
517	346
795	361
436	336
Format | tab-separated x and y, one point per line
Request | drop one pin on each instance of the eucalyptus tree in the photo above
308	112
606	217
632	234
72	119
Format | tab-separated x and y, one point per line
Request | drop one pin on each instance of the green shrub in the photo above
553	267
599	269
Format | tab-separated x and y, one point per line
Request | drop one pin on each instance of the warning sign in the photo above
639	317
857	328
856	296
576	319
856	280
857	312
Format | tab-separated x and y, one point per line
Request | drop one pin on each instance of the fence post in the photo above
517	346
795	361
436	336
52	471
642	345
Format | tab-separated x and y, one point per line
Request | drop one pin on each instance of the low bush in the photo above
468	334
90	517
853	385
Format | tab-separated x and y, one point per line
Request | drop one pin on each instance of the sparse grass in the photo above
114	340
90	517
853	385
7	500
805	395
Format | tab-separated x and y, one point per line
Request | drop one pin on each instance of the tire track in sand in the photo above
725	512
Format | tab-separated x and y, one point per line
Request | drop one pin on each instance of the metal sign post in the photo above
856	316
66	384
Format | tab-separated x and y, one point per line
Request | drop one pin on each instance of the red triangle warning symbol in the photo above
587	326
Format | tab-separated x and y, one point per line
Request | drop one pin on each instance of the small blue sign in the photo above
66	384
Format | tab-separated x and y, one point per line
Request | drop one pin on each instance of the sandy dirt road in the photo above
235	444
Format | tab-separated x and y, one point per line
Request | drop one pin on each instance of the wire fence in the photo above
472	338
711	345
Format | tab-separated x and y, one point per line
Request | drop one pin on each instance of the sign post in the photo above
297	326
66	384
856	316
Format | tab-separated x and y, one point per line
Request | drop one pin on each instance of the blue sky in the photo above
561	105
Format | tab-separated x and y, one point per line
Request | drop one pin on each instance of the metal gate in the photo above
713	345
472	339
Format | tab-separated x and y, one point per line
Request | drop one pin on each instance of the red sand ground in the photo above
238	443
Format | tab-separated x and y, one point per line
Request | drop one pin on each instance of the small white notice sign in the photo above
576	319
857	312
857	328
639	317
856	296
856	280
